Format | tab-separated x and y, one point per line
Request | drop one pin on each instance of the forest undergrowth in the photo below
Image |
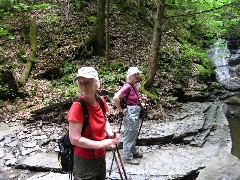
61	45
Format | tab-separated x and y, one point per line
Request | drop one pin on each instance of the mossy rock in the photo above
152	93
201	69
233	100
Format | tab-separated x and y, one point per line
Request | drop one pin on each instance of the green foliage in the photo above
152	93
69	71
177	64
4	33
42	6
69	68
114	6
21	7
50	18
4	88
72	91
78	4
204	74
115	75
116	65
92	20
205	19
20	56
65	86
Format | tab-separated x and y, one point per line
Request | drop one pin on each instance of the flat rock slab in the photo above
169	161
49	176
40	161
163	160
5	129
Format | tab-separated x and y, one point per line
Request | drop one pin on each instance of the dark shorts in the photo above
89	169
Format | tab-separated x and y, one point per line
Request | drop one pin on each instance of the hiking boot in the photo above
131	161
137	155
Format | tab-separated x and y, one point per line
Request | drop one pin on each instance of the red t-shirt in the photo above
96	129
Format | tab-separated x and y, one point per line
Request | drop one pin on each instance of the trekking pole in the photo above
110	170
114	157
140	127
121	120
141	123
123	169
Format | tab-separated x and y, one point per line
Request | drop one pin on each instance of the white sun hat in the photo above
87	72
133	70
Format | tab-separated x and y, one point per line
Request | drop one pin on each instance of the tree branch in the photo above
206	11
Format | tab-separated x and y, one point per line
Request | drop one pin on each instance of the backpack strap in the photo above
85	113
100	101
128	91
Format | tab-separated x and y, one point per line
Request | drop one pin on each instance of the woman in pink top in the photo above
90	145
130	92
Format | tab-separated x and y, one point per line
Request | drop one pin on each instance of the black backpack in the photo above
66	153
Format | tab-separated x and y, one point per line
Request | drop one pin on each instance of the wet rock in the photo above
40	162
30	144
6	130
11	162
231	84
1	153
233	100
2	161
12	143
221	166
200	138
8	156
28	151
199	130
48	176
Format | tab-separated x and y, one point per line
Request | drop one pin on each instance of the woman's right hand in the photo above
110	143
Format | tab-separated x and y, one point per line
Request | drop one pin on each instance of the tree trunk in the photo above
100	27
156	42
33	42
107	36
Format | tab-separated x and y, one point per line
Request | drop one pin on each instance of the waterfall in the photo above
226	55
220	54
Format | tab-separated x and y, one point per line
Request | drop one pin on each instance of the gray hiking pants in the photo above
131	126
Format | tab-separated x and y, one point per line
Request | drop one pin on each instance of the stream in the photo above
226	55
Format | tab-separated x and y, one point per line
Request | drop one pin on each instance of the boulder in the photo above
221	166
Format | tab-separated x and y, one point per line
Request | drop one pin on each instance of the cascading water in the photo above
226	55
219	53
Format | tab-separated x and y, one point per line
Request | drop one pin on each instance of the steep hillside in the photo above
63	31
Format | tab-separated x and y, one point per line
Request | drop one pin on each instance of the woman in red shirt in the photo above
90	145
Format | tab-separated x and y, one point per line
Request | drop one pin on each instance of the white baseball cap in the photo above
87	72
133	70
